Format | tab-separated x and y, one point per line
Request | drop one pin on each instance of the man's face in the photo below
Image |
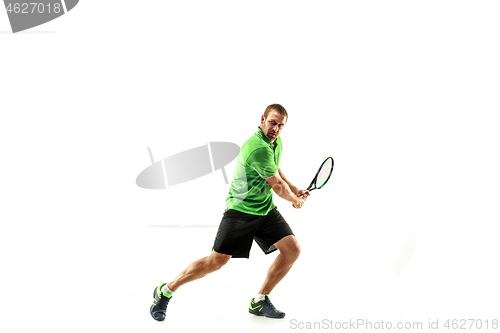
272	125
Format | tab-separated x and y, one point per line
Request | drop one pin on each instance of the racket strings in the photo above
324	173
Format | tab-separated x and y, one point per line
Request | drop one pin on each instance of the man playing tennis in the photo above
250	215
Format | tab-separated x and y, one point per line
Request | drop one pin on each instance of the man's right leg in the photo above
194	271
199	268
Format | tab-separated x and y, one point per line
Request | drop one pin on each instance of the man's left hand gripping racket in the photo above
322	176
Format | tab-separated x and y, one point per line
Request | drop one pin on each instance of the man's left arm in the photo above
295	190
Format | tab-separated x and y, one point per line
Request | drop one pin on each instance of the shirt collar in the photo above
261	134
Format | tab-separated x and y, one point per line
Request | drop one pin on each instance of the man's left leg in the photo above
289	252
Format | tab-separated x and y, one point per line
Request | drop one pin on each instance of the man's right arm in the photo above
281	188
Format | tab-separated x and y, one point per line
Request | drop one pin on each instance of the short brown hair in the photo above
276	107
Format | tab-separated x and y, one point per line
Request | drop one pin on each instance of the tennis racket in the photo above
322	176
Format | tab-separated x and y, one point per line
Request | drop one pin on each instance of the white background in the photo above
403	95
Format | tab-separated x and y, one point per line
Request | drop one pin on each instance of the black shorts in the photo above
237	230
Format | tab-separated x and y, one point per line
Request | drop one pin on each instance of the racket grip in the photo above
302	196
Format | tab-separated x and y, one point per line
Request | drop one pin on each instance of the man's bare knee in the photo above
289	247
217	260
293	252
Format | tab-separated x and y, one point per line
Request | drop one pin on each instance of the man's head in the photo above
272	121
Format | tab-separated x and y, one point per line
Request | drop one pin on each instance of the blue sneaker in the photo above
159	308
265	308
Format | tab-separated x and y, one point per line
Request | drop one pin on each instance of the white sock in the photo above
260	297
166	290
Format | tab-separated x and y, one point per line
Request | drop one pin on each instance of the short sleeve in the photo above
262	161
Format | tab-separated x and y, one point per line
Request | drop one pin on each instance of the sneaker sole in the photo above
260	314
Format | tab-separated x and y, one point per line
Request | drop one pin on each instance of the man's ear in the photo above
262	119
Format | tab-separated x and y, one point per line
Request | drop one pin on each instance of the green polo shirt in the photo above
258	159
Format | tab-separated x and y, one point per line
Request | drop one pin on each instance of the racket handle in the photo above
308	189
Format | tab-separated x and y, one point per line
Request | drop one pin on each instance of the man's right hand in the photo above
299	202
